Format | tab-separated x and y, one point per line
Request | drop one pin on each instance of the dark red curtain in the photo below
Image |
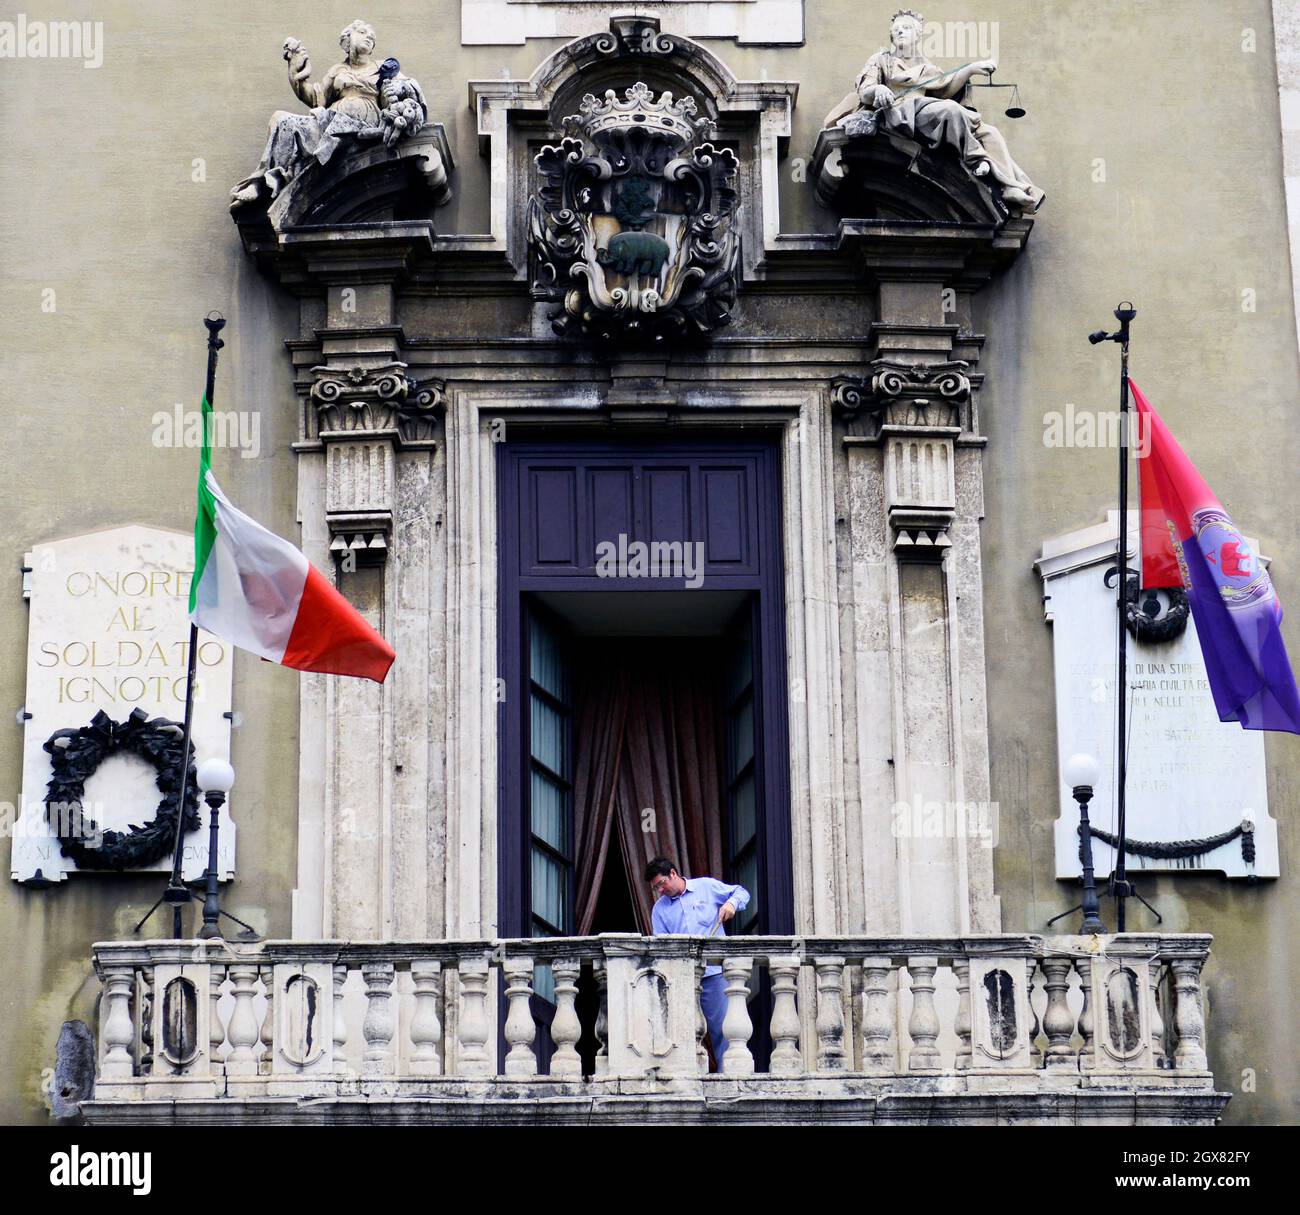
646	766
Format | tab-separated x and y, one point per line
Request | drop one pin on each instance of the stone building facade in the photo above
571	278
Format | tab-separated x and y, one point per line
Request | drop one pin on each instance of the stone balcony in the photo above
988	1029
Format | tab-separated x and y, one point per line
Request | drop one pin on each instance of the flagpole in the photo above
1119	871
177	893
1119	876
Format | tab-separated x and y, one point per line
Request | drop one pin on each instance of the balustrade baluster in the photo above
1158	1055
119	1030
830	1014
565	1027
877	1024
1035	1051
216	1033
340	1021
786	1057
961	970
143	992
520	1028
426	1028
1058	1021
1087	1052
736	1025
377	1027
472	1024
267	1034
1189	1021
243	1031
701	1024
601	1028
923	1024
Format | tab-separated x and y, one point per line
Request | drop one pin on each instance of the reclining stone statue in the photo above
902	92
357	99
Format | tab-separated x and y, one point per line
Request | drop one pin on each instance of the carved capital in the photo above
914	411
357	399
378	401
364	414
357	414
925	395
417	418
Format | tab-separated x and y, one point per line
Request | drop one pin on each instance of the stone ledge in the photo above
1110	1108
749	22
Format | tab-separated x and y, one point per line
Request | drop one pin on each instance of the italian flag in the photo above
260	593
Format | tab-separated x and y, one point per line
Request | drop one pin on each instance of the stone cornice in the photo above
627	38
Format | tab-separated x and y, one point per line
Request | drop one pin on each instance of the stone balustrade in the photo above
1002	1028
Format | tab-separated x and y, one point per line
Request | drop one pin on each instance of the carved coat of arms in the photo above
633	226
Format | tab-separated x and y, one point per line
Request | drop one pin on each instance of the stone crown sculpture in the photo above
607	121
633	223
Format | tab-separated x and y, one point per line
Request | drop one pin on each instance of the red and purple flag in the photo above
1189	541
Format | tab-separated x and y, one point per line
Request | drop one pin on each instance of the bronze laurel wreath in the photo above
74	756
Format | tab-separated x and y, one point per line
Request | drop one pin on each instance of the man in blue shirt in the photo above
696	906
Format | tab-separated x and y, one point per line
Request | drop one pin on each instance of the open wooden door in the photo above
550	803
741	774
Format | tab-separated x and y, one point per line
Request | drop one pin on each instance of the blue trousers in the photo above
713	1000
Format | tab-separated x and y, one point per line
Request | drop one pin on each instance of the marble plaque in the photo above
1190	776
108	630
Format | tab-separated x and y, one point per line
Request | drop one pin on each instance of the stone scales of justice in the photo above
1191	550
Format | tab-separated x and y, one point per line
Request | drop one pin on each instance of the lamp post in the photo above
1080	774
215	778
1119	884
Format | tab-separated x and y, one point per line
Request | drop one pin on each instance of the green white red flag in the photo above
259	592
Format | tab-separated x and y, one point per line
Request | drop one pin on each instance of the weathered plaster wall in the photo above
97	191
1183	224
99	205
